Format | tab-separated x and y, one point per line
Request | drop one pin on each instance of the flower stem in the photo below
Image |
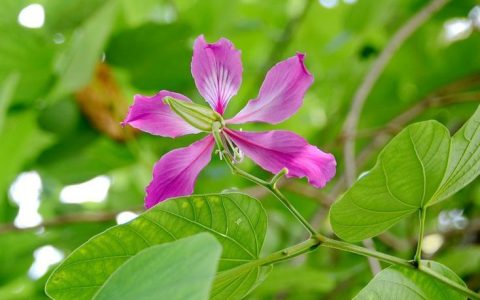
418	254
271	186
292	209
287	253
278	176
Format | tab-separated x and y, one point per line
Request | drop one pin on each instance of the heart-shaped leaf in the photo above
421	166
407	174
237	221
403	284
187	267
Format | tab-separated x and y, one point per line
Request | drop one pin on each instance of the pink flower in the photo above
217	71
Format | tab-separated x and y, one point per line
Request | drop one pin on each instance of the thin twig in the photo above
360	96
64	220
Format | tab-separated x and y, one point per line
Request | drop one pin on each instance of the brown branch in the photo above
65	220
254	191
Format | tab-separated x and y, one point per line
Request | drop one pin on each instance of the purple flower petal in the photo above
151	115
281	94
217	70
175	173
274	150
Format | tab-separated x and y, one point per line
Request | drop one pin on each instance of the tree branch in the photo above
65	220
360	96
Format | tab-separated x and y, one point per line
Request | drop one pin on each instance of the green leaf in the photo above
29	53
407	173
7	91
75	68
183	269
238	222
421	166
464	162
404	284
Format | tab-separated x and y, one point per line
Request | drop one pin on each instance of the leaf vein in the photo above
421	164
211	230
159	226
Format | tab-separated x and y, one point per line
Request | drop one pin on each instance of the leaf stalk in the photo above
421	231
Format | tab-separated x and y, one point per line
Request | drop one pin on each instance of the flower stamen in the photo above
234	153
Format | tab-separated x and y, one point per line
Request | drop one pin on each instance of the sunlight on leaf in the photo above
237	221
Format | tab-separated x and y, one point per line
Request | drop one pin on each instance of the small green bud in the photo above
194	114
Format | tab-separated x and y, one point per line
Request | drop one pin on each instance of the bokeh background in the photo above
69	70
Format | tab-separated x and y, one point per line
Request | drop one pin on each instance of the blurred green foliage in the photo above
50	81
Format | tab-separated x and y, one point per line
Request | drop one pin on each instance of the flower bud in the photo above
194	114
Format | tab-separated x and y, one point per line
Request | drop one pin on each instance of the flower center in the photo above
236	155
226	147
